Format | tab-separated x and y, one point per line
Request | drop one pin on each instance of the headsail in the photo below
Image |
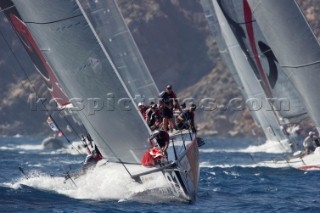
115	36
89	75
241	69
295	46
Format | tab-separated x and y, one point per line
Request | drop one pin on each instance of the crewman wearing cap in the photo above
143	109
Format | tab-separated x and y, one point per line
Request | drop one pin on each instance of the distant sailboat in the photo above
272	41
94	60
242	72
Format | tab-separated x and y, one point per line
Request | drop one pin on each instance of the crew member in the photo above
168	101
308	143
186	119
162	138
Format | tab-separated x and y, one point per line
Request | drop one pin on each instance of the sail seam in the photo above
300	66
51	22
8	8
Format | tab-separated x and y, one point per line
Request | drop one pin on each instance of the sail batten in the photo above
302	65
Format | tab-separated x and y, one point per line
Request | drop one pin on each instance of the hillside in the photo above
178	48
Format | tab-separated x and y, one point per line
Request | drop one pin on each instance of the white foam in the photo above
29	147
7	148
110	182
269	147
254	165
274	147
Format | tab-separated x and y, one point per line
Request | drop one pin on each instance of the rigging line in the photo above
33	88
8	8
73	129
51	22
102	139
66	137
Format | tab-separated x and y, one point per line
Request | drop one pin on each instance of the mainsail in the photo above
279	89
89	74
241	69
295	46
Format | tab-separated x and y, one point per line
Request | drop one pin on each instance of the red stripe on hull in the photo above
309	167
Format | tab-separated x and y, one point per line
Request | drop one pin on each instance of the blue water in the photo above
230	181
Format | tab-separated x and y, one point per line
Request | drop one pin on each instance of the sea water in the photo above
231	180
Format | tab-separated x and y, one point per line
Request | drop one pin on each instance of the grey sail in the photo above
87	74
295	46
278	88
108	23
241	70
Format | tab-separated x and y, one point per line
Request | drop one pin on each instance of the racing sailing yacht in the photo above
242	72
87	56
260	37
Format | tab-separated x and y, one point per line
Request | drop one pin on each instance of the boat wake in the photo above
114	184
272	147
74	149
267	164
